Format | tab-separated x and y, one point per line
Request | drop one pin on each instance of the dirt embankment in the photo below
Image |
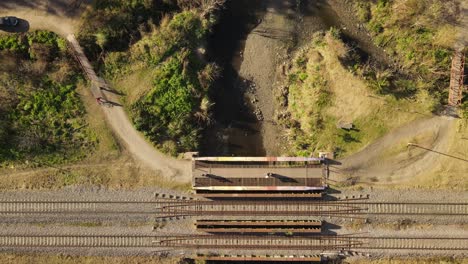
285	27
265	49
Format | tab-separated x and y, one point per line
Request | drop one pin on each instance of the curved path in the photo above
62	17
371	164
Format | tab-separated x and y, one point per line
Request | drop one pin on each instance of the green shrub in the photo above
414	33
42	119
120	22
166	112
13	43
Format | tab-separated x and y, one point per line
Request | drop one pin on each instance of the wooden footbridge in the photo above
96	82
457	75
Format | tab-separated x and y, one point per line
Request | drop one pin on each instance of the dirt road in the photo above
368	165
376	164
62	17
135	143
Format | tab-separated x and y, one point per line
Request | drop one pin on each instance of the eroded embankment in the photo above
254	43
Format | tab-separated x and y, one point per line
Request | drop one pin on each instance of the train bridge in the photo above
258	176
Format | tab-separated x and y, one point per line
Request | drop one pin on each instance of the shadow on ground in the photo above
55	7
23	26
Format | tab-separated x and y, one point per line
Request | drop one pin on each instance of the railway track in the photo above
178	206
353	208
318	243
76	241
76	207
416	243
391	208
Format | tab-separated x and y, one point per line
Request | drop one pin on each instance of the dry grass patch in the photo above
323	91
107	147
68	259
450	171
445	260
135	85
446	36
120	173
402	151
351	94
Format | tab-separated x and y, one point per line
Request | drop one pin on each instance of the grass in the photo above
107	146
167	88
69	259
330	91
424	139
434	260
419	35
42	118
117	174
449	173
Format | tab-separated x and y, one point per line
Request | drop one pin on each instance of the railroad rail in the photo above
293	258
219	242
14	207
169	207
319	242
342	208
248	242
77	241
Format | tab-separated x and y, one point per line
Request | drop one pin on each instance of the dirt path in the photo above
262	51
373	165
62	17
134	142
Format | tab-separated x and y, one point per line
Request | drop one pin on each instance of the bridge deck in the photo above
255	178
260	172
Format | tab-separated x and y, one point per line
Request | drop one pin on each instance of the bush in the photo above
166	112
41	118
419	34
119	23
173	111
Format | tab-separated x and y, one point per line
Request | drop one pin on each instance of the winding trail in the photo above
62	17
371	164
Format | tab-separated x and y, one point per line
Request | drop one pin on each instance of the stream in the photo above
250	42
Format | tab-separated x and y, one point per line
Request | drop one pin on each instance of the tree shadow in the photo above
111	90
55	7
332	162
348	138
22	27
